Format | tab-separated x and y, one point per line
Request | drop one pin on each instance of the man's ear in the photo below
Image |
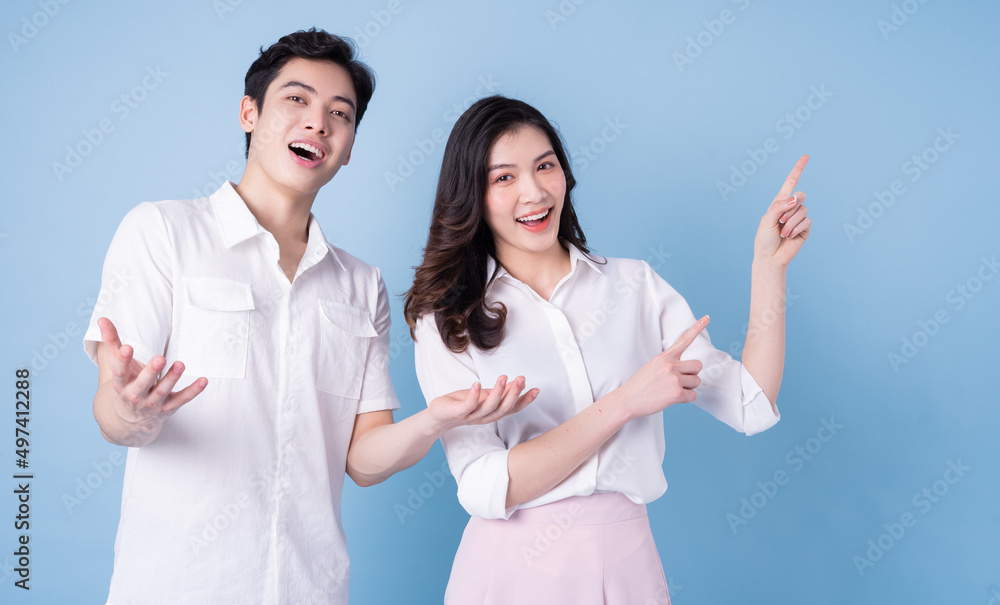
248	114
348	158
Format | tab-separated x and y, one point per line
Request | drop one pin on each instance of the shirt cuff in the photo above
483	488
381	403
758	413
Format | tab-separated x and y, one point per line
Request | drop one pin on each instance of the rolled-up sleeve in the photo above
727	391
136	285
476	455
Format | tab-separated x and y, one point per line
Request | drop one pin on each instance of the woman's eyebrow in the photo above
493	167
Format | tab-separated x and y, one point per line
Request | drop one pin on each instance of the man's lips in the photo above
311	153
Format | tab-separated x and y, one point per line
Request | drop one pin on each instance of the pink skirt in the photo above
582	550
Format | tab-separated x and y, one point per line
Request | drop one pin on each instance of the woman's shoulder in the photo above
616	264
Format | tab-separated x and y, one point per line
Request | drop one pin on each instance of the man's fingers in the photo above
144	381
166	384
109	333
524	400
176	400
675	350
509	400
792	179
488	404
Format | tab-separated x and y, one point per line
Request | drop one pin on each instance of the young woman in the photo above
557	492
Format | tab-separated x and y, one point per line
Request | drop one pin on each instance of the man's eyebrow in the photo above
493	167
312	91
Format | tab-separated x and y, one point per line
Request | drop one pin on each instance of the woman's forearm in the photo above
538	465
764	350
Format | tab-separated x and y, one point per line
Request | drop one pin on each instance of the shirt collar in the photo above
576	256
236	222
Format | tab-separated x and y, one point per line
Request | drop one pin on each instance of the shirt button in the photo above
290	349
288	405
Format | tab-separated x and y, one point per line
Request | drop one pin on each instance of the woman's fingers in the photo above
677	349
799	198
688	381
793	221
801	229
793	178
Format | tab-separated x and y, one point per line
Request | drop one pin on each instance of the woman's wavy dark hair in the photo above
451	281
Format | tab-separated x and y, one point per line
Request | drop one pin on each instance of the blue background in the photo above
695	99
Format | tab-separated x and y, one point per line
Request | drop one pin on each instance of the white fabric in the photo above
238	499
602	323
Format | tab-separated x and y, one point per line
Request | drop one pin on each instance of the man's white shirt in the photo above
238	498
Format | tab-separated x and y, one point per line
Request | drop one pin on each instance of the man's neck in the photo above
283	213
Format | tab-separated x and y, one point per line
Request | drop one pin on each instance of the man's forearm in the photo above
764	350
390	448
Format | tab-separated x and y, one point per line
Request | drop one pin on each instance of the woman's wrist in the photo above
767	268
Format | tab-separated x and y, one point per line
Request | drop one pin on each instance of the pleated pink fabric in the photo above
583	550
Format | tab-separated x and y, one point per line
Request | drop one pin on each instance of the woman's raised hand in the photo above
785	226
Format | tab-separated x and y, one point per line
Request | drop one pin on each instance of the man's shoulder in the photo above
352	264
169	212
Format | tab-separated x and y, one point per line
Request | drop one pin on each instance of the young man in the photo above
233	479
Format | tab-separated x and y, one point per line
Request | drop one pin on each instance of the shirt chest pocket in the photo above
345	334
214	331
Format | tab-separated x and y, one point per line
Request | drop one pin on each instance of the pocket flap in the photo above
217	294
349	319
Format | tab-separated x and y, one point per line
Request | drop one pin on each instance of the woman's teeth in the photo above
533	217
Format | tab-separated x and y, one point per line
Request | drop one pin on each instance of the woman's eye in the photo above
503	178
546	165
295	98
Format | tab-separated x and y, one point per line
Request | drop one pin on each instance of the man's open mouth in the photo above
306	151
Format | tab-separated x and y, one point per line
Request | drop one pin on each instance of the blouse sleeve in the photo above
476	455
727	389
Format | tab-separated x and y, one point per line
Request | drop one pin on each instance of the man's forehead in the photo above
319	76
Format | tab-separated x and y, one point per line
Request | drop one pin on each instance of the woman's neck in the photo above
541	271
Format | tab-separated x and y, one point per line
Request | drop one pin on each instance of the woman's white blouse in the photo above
603	322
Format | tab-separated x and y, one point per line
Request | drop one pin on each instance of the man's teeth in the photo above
533	217
313	150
